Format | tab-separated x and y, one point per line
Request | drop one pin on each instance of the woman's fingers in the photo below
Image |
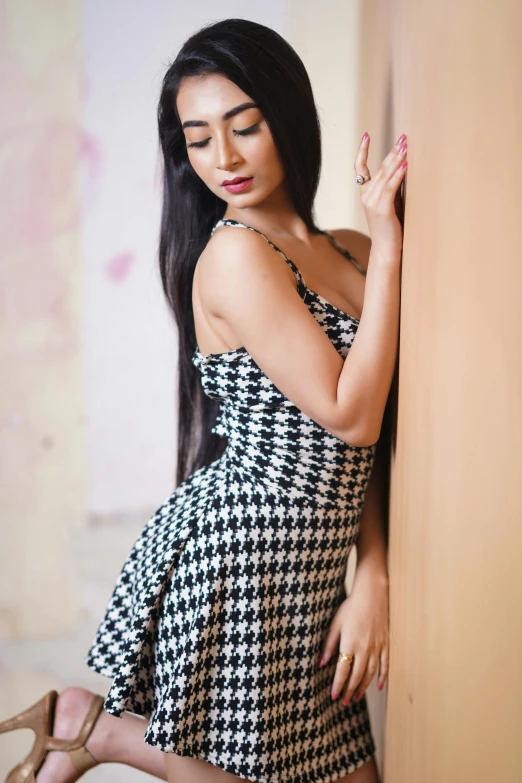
361	161
383	667
395	178
342	675
356	675
397	155
348	676
388	168
381	196
390	163
369	673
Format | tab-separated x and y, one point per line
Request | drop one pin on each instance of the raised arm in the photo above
249	285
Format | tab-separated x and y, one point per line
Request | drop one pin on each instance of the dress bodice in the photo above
269	437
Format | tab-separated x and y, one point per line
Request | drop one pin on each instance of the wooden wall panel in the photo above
448	75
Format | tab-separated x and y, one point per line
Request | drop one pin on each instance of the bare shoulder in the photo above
235	258
357	243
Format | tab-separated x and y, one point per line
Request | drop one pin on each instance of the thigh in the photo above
185	769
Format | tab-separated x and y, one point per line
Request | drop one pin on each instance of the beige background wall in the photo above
447	74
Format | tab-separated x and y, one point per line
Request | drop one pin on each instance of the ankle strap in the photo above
82	759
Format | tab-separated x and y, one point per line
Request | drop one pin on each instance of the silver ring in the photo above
360	179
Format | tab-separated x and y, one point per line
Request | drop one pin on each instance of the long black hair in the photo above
262	64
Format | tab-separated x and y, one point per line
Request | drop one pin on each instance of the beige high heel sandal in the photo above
40	717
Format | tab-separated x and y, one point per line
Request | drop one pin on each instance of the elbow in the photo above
361	437
363	432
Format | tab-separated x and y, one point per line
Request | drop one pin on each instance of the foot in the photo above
71	708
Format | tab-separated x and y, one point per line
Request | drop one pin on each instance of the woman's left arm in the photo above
371	541
360	625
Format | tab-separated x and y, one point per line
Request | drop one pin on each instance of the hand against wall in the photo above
380	195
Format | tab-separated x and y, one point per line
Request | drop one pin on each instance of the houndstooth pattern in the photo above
222	606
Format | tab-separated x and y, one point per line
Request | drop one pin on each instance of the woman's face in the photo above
227	137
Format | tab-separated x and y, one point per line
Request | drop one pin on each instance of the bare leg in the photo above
113	739
182	769
120	740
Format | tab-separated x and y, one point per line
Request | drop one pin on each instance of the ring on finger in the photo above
345	657
361	179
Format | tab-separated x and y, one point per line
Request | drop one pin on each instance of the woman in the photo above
229	629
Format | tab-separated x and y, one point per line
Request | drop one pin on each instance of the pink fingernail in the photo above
364	136
335	694
403	165
359	696
401	138
322	661
380	686
402	148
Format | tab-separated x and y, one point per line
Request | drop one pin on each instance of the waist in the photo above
290	455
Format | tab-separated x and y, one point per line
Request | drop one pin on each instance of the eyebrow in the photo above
227	115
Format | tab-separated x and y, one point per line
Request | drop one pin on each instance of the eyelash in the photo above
245	132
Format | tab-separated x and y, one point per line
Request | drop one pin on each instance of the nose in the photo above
227	154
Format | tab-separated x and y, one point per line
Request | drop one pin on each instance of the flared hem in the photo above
232	769
278	779
191	752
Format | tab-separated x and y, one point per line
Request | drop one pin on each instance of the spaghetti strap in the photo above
344	251
301	285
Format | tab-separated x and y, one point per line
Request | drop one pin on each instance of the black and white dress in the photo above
222	606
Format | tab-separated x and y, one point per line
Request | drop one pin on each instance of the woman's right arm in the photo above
364	383
246	283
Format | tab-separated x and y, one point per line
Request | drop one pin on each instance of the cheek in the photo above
201	167
269	157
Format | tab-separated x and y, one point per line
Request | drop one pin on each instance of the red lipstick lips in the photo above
237	184
233	181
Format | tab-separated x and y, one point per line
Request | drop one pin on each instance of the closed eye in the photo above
245	132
